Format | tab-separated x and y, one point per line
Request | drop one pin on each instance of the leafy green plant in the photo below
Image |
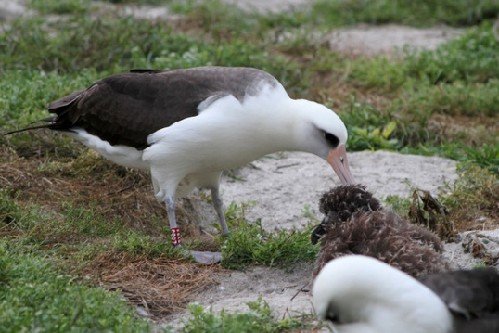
369	128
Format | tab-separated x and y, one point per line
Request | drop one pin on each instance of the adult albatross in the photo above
185	126
363	295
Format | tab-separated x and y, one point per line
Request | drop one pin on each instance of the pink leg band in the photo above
175	236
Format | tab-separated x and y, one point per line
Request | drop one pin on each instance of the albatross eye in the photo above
334	318
332	314
332	140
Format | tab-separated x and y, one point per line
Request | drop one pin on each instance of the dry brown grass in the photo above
474	202
161	286
476	129
88	181
337	91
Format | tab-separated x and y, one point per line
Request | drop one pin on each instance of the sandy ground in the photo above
279	288
268	6
388	39
279	187
10	9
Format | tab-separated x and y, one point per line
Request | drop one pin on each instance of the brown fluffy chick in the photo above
356	223
339	203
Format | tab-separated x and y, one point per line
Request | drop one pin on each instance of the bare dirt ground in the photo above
279	288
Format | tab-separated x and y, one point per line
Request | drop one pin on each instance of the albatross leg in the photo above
202	257
219	208
175	230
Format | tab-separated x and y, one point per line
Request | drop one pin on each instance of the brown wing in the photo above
472	296
124	109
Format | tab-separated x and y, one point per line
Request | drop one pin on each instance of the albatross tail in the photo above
49	122
61	120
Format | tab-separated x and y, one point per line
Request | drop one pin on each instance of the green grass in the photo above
26	93
485	156
61	7
421	13
469	58
141	2
258	319
455	99
40	226
250	244
11	212
80	227
139	244
458	79
113	42
120	44
28	281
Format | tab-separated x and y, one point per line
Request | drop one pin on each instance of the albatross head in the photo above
361	294
324	134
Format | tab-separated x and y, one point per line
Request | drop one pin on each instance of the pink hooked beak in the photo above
337	157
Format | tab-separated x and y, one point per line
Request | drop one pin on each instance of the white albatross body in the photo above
226	134
359	294
229	134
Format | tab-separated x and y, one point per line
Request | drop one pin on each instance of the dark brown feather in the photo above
471	293
385	236
488	323
339	204
124	109
472	296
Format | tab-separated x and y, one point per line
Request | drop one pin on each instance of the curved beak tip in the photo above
337	158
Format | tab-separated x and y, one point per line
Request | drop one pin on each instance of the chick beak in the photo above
337	157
